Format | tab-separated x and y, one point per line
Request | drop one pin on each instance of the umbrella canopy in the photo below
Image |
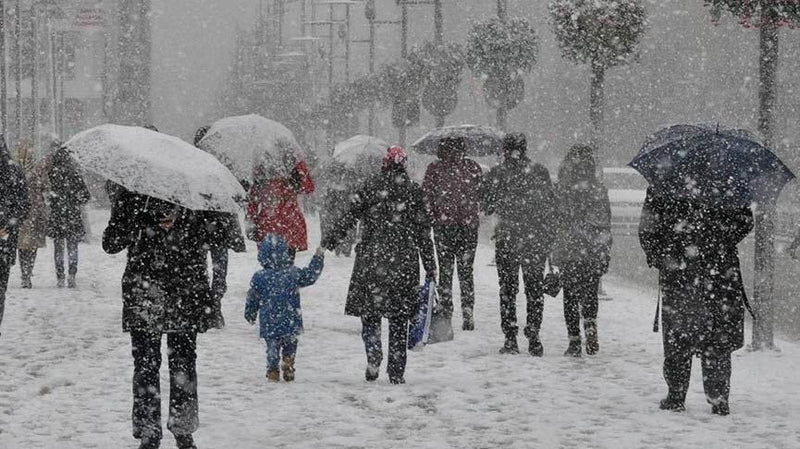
480	140
357	148
712	164
157	165
245	142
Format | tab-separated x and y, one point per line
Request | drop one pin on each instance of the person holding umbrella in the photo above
522	195
273	207
703	181
452	187
67	195
14	207
583	248
396	235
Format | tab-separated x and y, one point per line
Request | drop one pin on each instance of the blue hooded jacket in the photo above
275	291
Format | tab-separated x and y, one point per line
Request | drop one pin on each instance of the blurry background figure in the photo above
341	184
452	188
226	234
32	232
583	248
14	206
66	195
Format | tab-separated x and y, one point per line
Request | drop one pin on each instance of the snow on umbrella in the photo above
245	142
157	165
479	140
357	148
716	165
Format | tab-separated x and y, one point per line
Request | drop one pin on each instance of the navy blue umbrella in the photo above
721	167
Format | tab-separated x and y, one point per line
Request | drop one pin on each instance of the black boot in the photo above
469	320
590	329
672	404
372	372
185	442
574	348
721	408
150	443
535	347
510	346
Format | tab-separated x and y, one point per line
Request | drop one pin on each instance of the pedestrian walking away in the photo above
521	194
694	247
274	299
396	236
66	196
14	209
452	187
32	232
165	290
583	248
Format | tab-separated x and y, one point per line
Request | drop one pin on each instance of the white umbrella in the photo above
244	142
157	165
357	148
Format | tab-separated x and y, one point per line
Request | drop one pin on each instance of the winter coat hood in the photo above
273	252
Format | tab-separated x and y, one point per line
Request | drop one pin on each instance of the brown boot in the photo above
288	368
273	375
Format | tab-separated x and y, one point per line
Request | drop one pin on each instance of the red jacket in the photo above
452	188
273	207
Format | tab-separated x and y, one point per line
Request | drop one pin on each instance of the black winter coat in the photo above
695	250
165	286
68	193
584	226
521	194
396	234
14	204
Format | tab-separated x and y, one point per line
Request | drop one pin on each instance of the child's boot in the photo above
273	375
288	368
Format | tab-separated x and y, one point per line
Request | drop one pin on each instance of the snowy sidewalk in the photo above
65	370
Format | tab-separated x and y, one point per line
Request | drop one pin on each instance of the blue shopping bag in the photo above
420	324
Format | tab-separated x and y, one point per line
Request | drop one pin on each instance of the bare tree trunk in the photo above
17	71
502	9
596	104
132	105
763	326
3	77
438	22
502	113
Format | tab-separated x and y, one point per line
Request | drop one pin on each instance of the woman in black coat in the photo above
165	290
583	247
694	247
14	207
396	234
67	195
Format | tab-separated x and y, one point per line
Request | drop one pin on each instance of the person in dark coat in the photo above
694	247
521	194
165	290
68	193
227	235
452	188
14	207
335	203
583	246
396	234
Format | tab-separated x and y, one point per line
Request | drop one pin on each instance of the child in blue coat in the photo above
274	297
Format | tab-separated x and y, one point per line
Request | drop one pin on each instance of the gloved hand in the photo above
250	317
430	276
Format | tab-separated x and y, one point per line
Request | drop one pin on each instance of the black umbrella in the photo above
722	167
479	140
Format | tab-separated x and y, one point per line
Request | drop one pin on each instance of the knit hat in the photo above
395	156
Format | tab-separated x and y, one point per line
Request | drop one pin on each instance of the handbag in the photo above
552	282
441	328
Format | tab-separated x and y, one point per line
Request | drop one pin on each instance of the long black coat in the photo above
67	194
165	286
584	226
695	250
396	234
521	194
14	204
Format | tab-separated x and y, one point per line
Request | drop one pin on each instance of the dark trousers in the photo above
72	255
510	259
183	410
456	246
715	363
5	269
27	258
280	347
398	341
580	281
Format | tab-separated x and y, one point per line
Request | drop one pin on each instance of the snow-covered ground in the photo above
65	370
